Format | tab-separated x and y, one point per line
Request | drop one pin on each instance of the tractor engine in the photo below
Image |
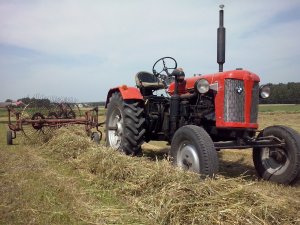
221	101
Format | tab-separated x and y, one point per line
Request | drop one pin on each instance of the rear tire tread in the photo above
133	123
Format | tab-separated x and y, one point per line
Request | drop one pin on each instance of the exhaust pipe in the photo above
221	40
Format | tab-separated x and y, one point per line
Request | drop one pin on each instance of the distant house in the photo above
80	105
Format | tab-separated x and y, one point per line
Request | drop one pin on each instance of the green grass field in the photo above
262	108
69	180
279	108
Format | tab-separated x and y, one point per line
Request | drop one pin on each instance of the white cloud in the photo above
128	36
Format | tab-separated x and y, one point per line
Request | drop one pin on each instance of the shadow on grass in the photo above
230	169
156	154
237	168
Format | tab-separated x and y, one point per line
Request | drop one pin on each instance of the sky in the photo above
81	48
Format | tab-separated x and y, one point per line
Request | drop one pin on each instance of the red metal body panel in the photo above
248	77
126	92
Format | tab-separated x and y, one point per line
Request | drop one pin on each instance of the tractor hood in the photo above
215	78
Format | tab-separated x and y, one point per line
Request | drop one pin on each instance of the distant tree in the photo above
95	104
26	100
283	94
8	100
35	102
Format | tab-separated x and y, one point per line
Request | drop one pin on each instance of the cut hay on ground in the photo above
167	195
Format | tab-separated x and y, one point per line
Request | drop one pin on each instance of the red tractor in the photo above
200	116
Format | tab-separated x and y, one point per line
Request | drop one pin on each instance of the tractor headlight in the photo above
264	91
202	86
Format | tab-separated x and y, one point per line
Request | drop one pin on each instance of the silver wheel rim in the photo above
187	157
272	165
115	129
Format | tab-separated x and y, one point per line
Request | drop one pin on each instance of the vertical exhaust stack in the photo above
221	40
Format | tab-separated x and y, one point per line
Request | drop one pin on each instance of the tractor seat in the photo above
148	81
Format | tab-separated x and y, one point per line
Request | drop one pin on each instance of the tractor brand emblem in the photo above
239	90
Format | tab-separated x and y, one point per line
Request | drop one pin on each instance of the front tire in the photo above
95	137
9	137
193	149
124	125
280	165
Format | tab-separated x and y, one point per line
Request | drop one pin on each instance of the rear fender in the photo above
126	92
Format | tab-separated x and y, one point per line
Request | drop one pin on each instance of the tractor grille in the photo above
234	100
254	104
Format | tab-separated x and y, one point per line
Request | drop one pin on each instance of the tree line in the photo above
280	94
45	102
283	94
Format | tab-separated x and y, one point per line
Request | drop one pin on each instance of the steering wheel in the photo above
165	68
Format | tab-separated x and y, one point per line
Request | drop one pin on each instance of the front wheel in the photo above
95	137
280	165
193	149
9	137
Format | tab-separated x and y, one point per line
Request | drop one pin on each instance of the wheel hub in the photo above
278	155
275	160
119	130
115	129
187	158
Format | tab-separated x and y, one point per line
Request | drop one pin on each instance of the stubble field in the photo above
69	180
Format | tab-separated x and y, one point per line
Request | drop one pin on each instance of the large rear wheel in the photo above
193	149
280	165
124	125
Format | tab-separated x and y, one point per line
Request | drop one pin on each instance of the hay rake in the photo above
37	122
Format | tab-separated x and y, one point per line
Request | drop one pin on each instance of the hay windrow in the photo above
68	142
168	195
